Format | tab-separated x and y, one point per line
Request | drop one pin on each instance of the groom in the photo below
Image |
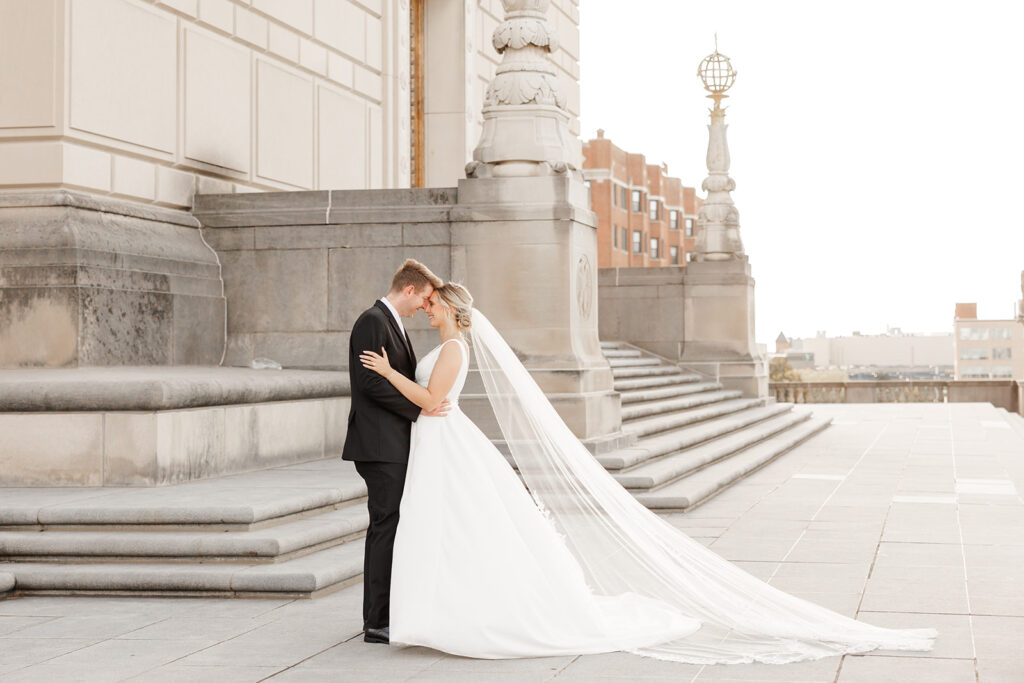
379	426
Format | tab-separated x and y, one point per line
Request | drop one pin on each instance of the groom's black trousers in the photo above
384	484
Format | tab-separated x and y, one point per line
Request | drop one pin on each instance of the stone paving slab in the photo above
848	519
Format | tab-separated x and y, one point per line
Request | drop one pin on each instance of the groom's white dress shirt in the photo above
398	318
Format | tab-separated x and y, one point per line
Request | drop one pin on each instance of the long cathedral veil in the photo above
624	547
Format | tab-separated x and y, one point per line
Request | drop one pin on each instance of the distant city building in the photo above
987	349
645	217
895	354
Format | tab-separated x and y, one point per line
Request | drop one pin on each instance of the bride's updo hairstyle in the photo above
460	301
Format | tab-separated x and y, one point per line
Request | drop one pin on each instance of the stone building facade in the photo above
987	349
645	217
115	113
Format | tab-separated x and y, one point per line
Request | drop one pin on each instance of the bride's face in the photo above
435	310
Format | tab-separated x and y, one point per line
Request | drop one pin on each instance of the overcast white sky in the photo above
877	147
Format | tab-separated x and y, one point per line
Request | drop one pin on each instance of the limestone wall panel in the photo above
296	13
85	167
276	290
284	114
218	82
124	72
30	163
36	452
133	178
28	63
219	14
342	151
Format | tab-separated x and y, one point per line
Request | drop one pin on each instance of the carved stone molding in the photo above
526	125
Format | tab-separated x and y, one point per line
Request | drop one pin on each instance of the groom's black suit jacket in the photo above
380	420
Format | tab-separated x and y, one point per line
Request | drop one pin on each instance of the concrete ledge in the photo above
270	544
238	502
302	577
145	427
6	584
322	207
160	388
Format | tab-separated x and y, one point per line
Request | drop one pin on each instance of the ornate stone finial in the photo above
718	237
526	127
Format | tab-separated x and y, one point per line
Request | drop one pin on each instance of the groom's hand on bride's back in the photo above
439	411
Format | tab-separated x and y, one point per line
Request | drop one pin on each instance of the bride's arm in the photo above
442	379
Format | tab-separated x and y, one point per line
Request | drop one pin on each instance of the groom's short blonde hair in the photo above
416	274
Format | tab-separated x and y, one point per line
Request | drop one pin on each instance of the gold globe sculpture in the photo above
717	74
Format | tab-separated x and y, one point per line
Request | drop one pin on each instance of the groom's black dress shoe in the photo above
377	635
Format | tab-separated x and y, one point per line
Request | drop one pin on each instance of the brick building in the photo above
645	217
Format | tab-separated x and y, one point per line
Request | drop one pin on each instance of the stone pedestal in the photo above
526	247
87	280
718	325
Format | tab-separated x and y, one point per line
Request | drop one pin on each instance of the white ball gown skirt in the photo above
480	572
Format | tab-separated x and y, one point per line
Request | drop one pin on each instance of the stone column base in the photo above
89	280
718	327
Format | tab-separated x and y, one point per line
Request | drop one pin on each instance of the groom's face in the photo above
414	301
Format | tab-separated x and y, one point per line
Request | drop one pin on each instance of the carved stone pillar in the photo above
718	327
526	128
524	239
718	222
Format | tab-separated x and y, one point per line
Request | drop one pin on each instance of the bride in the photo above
571	563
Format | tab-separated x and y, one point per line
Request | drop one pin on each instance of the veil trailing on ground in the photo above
623	547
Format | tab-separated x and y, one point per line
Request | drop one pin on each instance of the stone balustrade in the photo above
1008	394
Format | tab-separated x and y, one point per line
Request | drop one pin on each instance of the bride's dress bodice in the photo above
426	367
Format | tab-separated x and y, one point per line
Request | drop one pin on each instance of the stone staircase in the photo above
695	438
296	530
293	531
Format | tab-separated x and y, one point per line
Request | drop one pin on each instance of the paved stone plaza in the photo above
902	515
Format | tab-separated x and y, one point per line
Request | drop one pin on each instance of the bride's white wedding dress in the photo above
483	568
478	571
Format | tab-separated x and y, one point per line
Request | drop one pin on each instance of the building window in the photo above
625	245
974	333
673	220
977	371
1002	333
615	195
655	210
624	196
673	252
615	236
974	353
689	227
1002	353
1002	371
654	248
638	244
636	201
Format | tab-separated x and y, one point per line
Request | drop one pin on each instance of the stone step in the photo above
682	398
630	384
272	544
645	371
667	469
613	345
239	502
705	483
621	353
636	362
657	393
688	436
306	576
704	407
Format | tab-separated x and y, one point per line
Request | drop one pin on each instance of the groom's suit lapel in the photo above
397	330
